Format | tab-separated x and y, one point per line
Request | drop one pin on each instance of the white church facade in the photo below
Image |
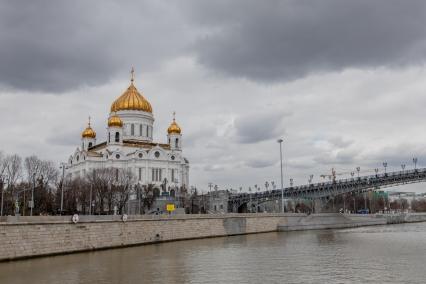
129	145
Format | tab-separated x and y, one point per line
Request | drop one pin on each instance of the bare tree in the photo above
32	166
149	196
100	180
13	170
42	175
39	169
49	173
123	186
2	164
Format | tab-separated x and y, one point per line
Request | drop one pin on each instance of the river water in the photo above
380	254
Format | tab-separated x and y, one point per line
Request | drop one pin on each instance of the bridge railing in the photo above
337	187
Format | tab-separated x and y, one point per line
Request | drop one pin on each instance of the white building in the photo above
130	145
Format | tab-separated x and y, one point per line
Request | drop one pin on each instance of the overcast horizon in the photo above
341	82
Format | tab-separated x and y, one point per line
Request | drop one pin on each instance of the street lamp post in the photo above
403	167
62	187
415	163
344	203
310	179
358	169
280	141
1	187
377	171
365	202
385	164
250	199
32	196
90	201
354	205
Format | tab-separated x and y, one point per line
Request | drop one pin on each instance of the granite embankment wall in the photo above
22	237
404	218
332	221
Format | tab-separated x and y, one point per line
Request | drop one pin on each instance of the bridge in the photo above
326	190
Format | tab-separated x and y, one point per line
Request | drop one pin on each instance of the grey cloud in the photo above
62	138
339	142
397	155
259	163
259	126
55	46
285	40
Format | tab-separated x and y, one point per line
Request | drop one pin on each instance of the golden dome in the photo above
131	99
115	120
174	127
88	132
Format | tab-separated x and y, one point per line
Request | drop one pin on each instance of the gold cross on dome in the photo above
174	115
133	74
89	120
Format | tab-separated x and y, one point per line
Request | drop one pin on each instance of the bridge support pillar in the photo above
319	205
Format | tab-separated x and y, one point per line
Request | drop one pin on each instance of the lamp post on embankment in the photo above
2	195
280	141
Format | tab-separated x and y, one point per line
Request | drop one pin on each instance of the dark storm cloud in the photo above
284	40
55	46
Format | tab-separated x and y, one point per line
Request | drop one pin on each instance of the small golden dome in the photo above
131	99
88	132
174	127
115	120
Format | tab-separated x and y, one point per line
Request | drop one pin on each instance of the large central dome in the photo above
131	99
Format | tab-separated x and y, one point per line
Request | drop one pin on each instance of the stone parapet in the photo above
22	237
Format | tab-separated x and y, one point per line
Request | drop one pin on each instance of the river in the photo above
379	254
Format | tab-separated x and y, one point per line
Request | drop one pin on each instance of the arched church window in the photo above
132	129
109	137
90	144
117	137
78	158
140	129
177	143
157	154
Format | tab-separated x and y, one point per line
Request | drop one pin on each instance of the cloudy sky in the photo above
342	82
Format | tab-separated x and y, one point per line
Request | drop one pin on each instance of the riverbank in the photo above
24	237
